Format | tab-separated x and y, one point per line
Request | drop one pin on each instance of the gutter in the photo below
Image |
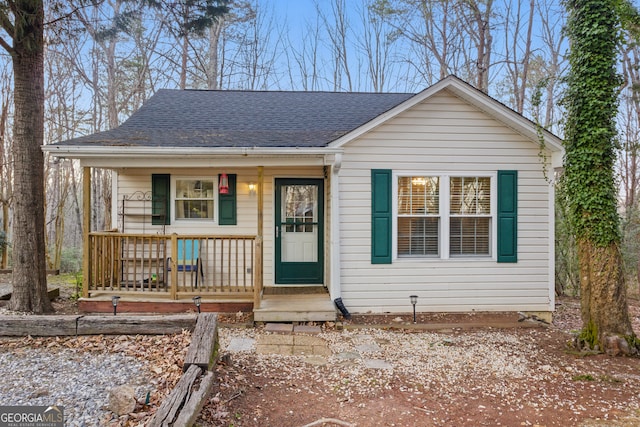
80	152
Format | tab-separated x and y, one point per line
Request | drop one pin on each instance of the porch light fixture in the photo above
114	302
223	186
197	302
414	301
252	189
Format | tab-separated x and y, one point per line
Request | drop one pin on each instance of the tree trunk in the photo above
29	270
214	41
603	295
184	55
5	181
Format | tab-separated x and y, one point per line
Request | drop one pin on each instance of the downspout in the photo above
335	288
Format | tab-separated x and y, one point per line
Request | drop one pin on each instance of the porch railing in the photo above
171	265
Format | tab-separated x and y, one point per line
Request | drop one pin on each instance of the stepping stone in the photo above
348	355
306	329
368	348
362	339
377	364
241	344
279	328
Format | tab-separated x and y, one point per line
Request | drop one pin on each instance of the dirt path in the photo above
481	377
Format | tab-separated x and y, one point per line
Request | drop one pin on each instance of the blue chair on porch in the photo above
188	258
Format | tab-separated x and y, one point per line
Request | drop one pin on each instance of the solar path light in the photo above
197	302
414	301
114	302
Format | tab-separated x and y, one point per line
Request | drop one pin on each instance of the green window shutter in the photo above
227	211
507	216
160	199
381	216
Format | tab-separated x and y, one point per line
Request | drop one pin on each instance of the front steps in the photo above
310	307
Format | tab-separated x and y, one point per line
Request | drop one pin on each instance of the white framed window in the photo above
194	198
469	216
418	215
444	215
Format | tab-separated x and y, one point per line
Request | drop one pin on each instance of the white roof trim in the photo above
471	95
84	152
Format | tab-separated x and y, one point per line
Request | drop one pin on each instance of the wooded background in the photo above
105	58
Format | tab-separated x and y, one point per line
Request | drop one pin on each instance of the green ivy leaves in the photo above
591	101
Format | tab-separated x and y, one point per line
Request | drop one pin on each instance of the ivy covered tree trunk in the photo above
29	268
590	133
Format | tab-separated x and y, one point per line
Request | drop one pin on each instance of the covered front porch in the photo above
154	268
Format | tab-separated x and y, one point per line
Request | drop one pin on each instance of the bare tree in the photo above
337	31
188	18
62	121
628	163
214	44
518	39
475	16
6	148
552	64
303	59
116	76
435	33
376	43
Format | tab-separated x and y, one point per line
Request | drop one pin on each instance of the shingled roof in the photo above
222	118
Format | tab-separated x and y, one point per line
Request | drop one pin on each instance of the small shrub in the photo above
584	377
71	260
78	287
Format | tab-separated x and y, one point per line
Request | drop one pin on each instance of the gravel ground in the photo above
455	378
70	379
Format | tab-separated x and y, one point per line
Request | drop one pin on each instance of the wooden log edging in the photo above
64	325
42	326
184	403
202	349
135	325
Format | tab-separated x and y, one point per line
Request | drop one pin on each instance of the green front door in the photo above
299	231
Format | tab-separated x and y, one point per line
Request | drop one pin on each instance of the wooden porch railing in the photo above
172	265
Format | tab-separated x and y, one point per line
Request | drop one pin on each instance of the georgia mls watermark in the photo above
31	416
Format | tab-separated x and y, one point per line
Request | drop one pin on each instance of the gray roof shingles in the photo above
202	118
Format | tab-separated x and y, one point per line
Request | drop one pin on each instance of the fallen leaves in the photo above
163	356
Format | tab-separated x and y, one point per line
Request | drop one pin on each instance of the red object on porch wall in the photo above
223	187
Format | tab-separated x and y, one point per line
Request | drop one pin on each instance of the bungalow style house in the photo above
302	205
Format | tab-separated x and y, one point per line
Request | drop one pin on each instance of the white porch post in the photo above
86	229
335	288
258	284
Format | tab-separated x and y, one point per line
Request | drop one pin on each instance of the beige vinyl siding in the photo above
445	135
134	214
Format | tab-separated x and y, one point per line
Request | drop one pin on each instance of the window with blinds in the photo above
470	215
418	216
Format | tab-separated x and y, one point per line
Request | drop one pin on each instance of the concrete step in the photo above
296	308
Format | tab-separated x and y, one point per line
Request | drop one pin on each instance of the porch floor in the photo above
296	308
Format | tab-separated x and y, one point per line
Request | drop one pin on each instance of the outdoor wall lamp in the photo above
114	302
414	301
252	189
197	302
